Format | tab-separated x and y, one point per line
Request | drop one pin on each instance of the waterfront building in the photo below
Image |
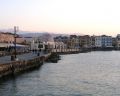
62	42
63	39
9	38
21	40
74	41
6	37
85	41
7	44
92	41
26	40
60	45
42	43
114	42
37	44
103	41
118	41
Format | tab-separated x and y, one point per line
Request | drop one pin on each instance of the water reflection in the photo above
85	74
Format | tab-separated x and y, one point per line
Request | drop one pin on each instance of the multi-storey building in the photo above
61	42
103	41
85	41
9	38
63	39
92	43
6	37
42	42
114	42
70	42
118	41
73	41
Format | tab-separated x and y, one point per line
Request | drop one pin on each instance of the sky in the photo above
93	17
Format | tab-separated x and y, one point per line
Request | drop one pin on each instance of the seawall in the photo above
15	67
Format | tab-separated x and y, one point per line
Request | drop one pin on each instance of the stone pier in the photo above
15	67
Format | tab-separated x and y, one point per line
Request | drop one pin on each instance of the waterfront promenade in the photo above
28	61
24	62
26	56
31	55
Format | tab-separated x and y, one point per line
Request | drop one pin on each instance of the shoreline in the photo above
15	67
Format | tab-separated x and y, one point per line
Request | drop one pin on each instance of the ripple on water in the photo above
84	74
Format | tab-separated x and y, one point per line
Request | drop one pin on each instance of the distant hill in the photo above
33	34
36	34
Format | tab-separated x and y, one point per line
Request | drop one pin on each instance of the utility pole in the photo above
15	30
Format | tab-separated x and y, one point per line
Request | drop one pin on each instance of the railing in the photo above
66	50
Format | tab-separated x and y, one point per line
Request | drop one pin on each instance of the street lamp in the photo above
15	30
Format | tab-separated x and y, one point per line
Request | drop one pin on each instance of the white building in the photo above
39	43
103	41
60	45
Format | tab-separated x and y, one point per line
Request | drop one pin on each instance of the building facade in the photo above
73	42
61	42
103	41
92	41
118	41
38	43
6	37
85	41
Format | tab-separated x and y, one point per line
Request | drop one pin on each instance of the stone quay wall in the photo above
15	67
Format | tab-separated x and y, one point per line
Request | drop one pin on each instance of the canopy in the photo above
10	44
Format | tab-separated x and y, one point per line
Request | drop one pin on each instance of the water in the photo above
84	74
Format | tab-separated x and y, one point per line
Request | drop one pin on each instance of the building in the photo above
7	43
6	37
92	41
37	44
118	41
103	41
63	39
42	42
9	38
21	40
60	46
73	42
85	41
28	40
114	42
61	42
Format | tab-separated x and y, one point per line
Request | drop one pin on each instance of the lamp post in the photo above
15	30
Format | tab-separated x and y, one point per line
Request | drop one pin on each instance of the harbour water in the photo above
85	74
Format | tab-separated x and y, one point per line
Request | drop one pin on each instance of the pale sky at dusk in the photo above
67	16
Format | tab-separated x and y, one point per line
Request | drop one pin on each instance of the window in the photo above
40	46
